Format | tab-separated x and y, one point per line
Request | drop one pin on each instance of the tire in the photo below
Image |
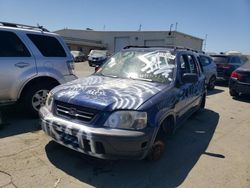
156	151
168	127
201	105
203	102
34	97
166	130
211	83
233	93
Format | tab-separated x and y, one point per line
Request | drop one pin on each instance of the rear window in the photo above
220	59
47	45
12	46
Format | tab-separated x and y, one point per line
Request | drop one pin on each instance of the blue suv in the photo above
127	108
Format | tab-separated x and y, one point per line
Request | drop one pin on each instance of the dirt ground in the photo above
212	149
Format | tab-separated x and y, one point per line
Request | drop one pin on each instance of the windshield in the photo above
156	66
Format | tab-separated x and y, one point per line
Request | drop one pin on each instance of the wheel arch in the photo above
37	80
159	129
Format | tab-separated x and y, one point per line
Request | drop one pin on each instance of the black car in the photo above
226	64
239	82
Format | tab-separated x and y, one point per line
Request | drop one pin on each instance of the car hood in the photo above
107	93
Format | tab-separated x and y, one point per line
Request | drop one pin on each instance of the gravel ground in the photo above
211	149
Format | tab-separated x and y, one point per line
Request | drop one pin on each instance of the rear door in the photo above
17	64
51	56
189	93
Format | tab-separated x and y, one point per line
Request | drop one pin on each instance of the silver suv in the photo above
32	62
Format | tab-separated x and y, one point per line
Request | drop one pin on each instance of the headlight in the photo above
127	120
49	101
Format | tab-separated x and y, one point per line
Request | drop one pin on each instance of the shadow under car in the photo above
182	152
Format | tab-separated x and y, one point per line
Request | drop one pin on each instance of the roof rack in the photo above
38	27
167	46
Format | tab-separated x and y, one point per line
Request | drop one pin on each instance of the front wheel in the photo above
35	97
156	151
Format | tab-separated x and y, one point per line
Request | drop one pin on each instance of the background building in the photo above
113	41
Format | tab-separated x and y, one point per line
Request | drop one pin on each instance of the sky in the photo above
225	22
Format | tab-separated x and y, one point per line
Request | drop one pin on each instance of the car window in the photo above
184	64
205	61
47	45
235	60
220	59
188	65
12	46
192	64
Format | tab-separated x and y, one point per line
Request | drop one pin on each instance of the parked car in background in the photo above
226	64
127	108
78	56
239	82
97	57
33	61
209	69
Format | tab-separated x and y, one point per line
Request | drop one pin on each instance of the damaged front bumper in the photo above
105	143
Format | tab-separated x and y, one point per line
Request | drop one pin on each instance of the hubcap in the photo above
39	99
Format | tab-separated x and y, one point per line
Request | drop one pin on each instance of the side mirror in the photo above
190	78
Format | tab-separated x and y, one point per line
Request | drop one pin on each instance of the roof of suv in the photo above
169	48
26	28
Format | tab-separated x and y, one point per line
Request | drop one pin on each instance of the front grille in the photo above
74	111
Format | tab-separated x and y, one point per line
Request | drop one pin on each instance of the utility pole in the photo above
205	43
170	29
176	24
140	26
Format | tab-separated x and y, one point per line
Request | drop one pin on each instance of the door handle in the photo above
22	64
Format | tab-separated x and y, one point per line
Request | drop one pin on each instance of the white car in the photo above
79	56
33	61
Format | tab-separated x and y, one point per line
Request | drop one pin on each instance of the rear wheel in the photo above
233	93
203	102
201	105
211	83
35	96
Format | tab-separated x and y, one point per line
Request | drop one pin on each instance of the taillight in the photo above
226	66
236	75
